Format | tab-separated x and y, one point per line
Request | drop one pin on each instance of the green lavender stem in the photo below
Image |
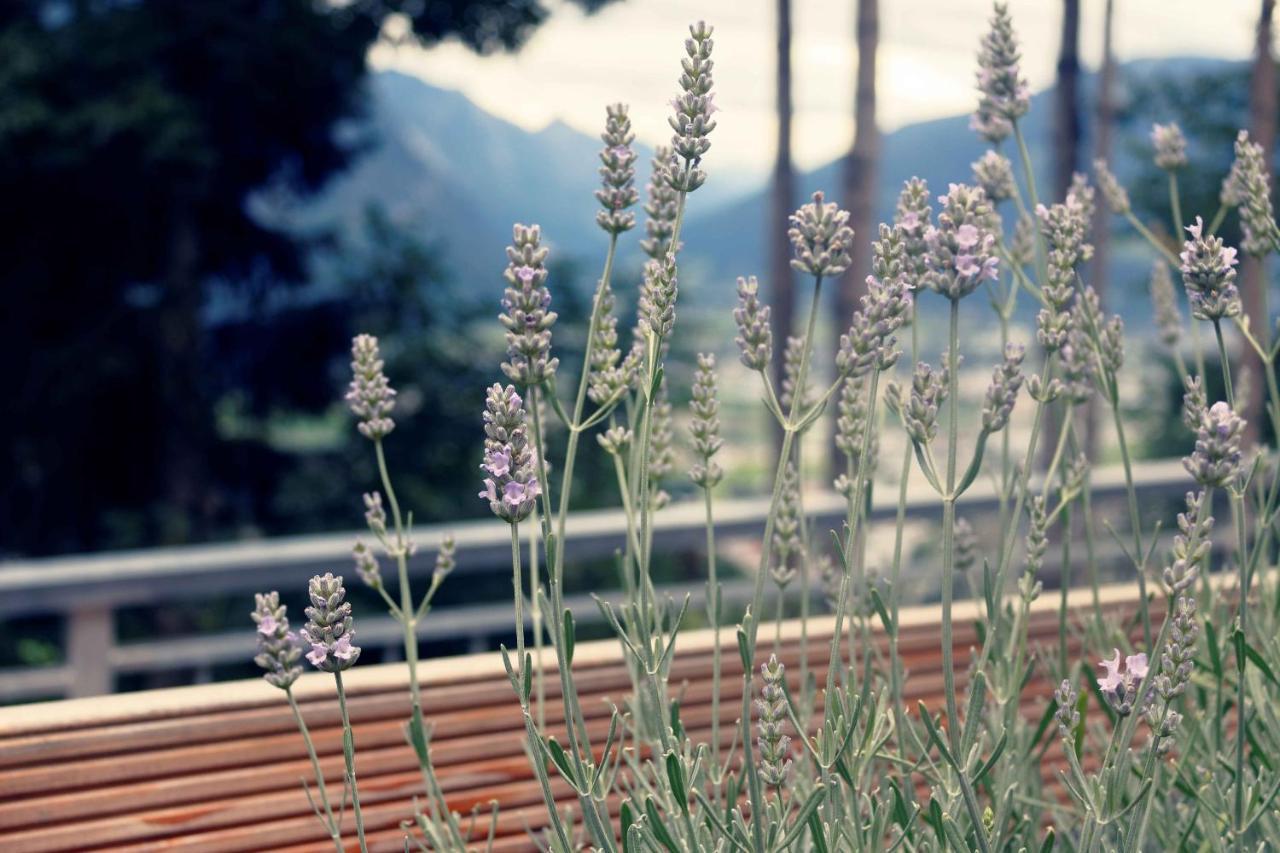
329	821
713	607
949	535
349	755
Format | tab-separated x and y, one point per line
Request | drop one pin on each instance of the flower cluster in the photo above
1190	545
618	172
1002	393
1208	271
792	355
1116	197
1003	95
852	422
1120	683
1029	587
527	314
1178	658
961	246
1170	146
1251	191
1165	300
510	463
821	237
994	173
661	207
692	120
278	649
329	630
367	567
657	305
787	543
913	217
775	747
661	436
608	376
1216	458
928	392
370	396
755	335
705	424
885	307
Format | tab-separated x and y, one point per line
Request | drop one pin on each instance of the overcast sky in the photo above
630	51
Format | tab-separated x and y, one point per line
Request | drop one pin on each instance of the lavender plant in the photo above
1166	745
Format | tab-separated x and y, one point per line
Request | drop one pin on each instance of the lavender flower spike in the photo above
278	649
994	173
370	396
1208	271
961	247
510	464
1003	95
821	236
328	632
755	335
691	119
1251	191
661	207
775	747
526	313
1002	393
618	172
1170	146
1119	683
1216	458
1116	197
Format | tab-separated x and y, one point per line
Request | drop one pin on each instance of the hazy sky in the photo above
629	52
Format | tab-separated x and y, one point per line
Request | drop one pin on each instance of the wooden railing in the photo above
87	591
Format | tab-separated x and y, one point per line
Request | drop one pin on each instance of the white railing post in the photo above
90	634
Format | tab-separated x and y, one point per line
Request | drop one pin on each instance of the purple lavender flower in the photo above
1003	93
1002	393
1170	146
1119	684
526	313
755	335
691	119
1249	186
370	396
329	627
278	649
510	463
617	170
821	237
1208	271
1217	456
661	206
994	173
961	246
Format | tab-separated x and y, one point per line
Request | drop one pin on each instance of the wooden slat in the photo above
217	768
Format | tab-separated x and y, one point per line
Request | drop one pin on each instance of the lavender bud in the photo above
1067	715
615	440
966	542
618	172
329	631
1253	191
1002	393
1041	391
961	246
607	378
1165	301
1191	545
994	173
787	544
775	747
870	344
1178	659
852	422
658	292
661	207
692	120
928	392
1080	194
367	565
1003	93
791	358
526	313
1170	146
1022	249
446	558
278	649
1208	271
821	237
370	397
1116	197
661	435
374	515
1216	458
510	463
705	423
1037	544
912	219
755	336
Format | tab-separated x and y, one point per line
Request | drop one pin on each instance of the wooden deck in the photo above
218	767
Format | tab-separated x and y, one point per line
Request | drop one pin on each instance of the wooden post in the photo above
90	636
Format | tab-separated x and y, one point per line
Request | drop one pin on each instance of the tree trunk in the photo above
782	295
1253	271
1066	156
1104	120
860	178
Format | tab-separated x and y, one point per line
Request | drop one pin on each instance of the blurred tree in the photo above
782	203
133	139
1104	119
1253	271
